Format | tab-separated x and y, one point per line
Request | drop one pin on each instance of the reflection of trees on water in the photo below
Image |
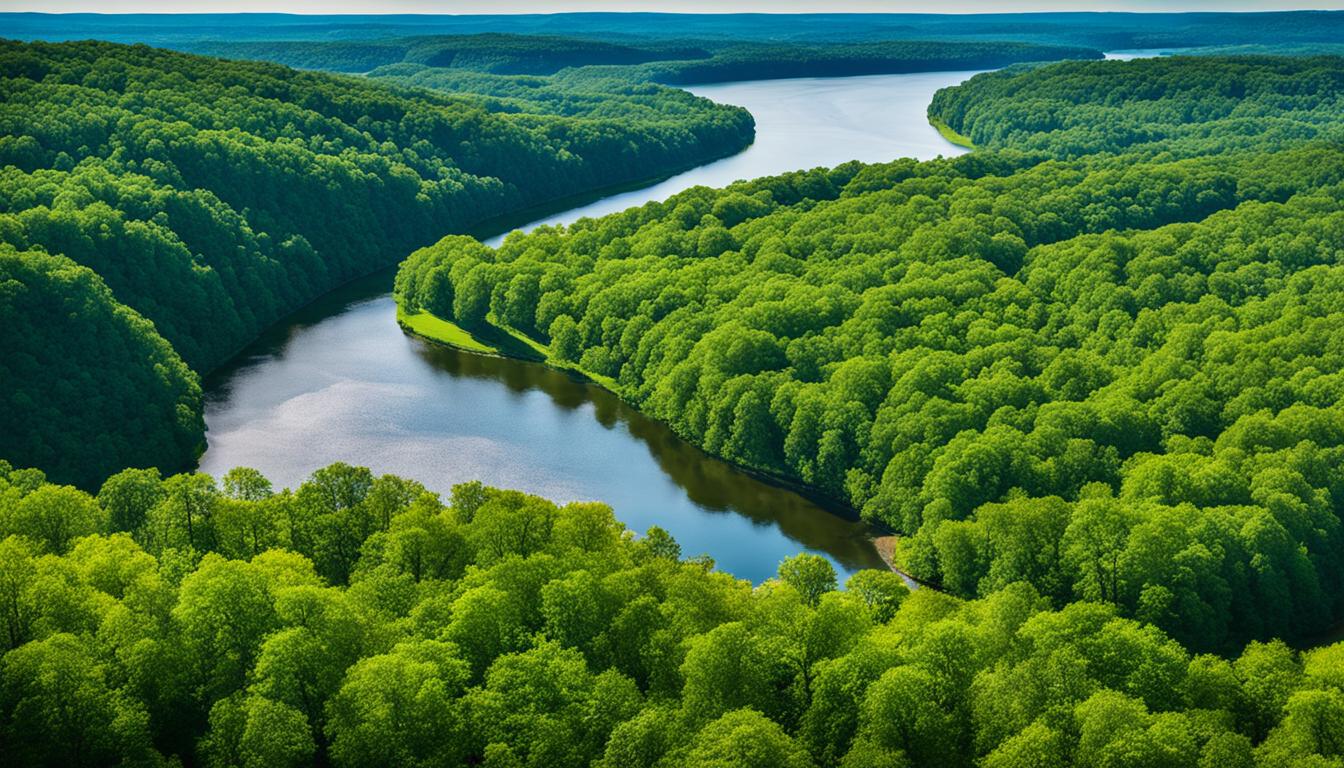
272	342
710	483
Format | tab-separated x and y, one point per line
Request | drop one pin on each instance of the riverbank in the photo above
951	135
494	340
502	342
886	549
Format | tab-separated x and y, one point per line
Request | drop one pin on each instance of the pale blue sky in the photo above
696	6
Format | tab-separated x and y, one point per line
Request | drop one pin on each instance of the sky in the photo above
685	6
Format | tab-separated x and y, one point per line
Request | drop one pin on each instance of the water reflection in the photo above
710	484
340	383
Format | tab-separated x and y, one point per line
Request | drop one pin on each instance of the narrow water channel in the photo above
340	382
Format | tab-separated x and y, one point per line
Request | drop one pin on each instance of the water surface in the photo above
340	382
806	123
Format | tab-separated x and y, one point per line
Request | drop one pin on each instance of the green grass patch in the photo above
946	132
491	340
440	330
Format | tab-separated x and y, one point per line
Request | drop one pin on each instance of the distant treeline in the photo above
763	62
210	198
496	53
668	63
1185	106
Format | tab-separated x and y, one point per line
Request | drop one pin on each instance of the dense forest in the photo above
361	621
75	362
765	62
669	63
502	54
1171	105
210	198
1090	373
1112	377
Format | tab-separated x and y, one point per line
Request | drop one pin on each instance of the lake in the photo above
339	381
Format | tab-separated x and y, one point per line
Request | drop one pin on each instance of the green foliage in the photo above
811	575
769	61
1167	105
1108	376
89	386
1091	373
450	57
586	646
496	53
60	710
213	197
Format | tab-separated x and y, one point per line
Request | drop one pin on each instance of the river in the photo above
339	381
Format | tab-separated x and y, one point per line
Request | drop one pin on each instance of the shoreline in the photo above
497	225
886	549
947	132
464	341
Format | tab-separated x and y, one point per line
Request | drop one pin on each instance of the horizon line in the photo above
1058	12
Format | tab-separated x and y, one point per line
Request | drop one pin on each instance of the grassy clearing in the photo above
440	330
946	132
494	340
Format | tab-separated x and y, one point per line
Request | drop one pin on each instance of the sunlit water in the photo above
807	123
341	382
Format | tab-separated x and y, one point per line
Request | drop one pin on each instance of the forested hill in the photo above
212	197
681	63
496	53
764	62
1113	377
1168	105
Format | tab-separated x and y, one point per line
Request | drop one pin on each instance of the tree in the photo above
224	612
245	484
252	731
1269	672
18	593
658	543
1313	724
486	622
302	667
334	500
882	591
512	524
128	496
426	544
565	341
59	709
1093	544
1036	746
900	715
575	610
726	669
399	708
744	738
643	740
811	575
54	516
185	517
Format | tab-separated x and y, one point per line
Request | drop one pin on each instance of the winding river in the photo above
339	381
